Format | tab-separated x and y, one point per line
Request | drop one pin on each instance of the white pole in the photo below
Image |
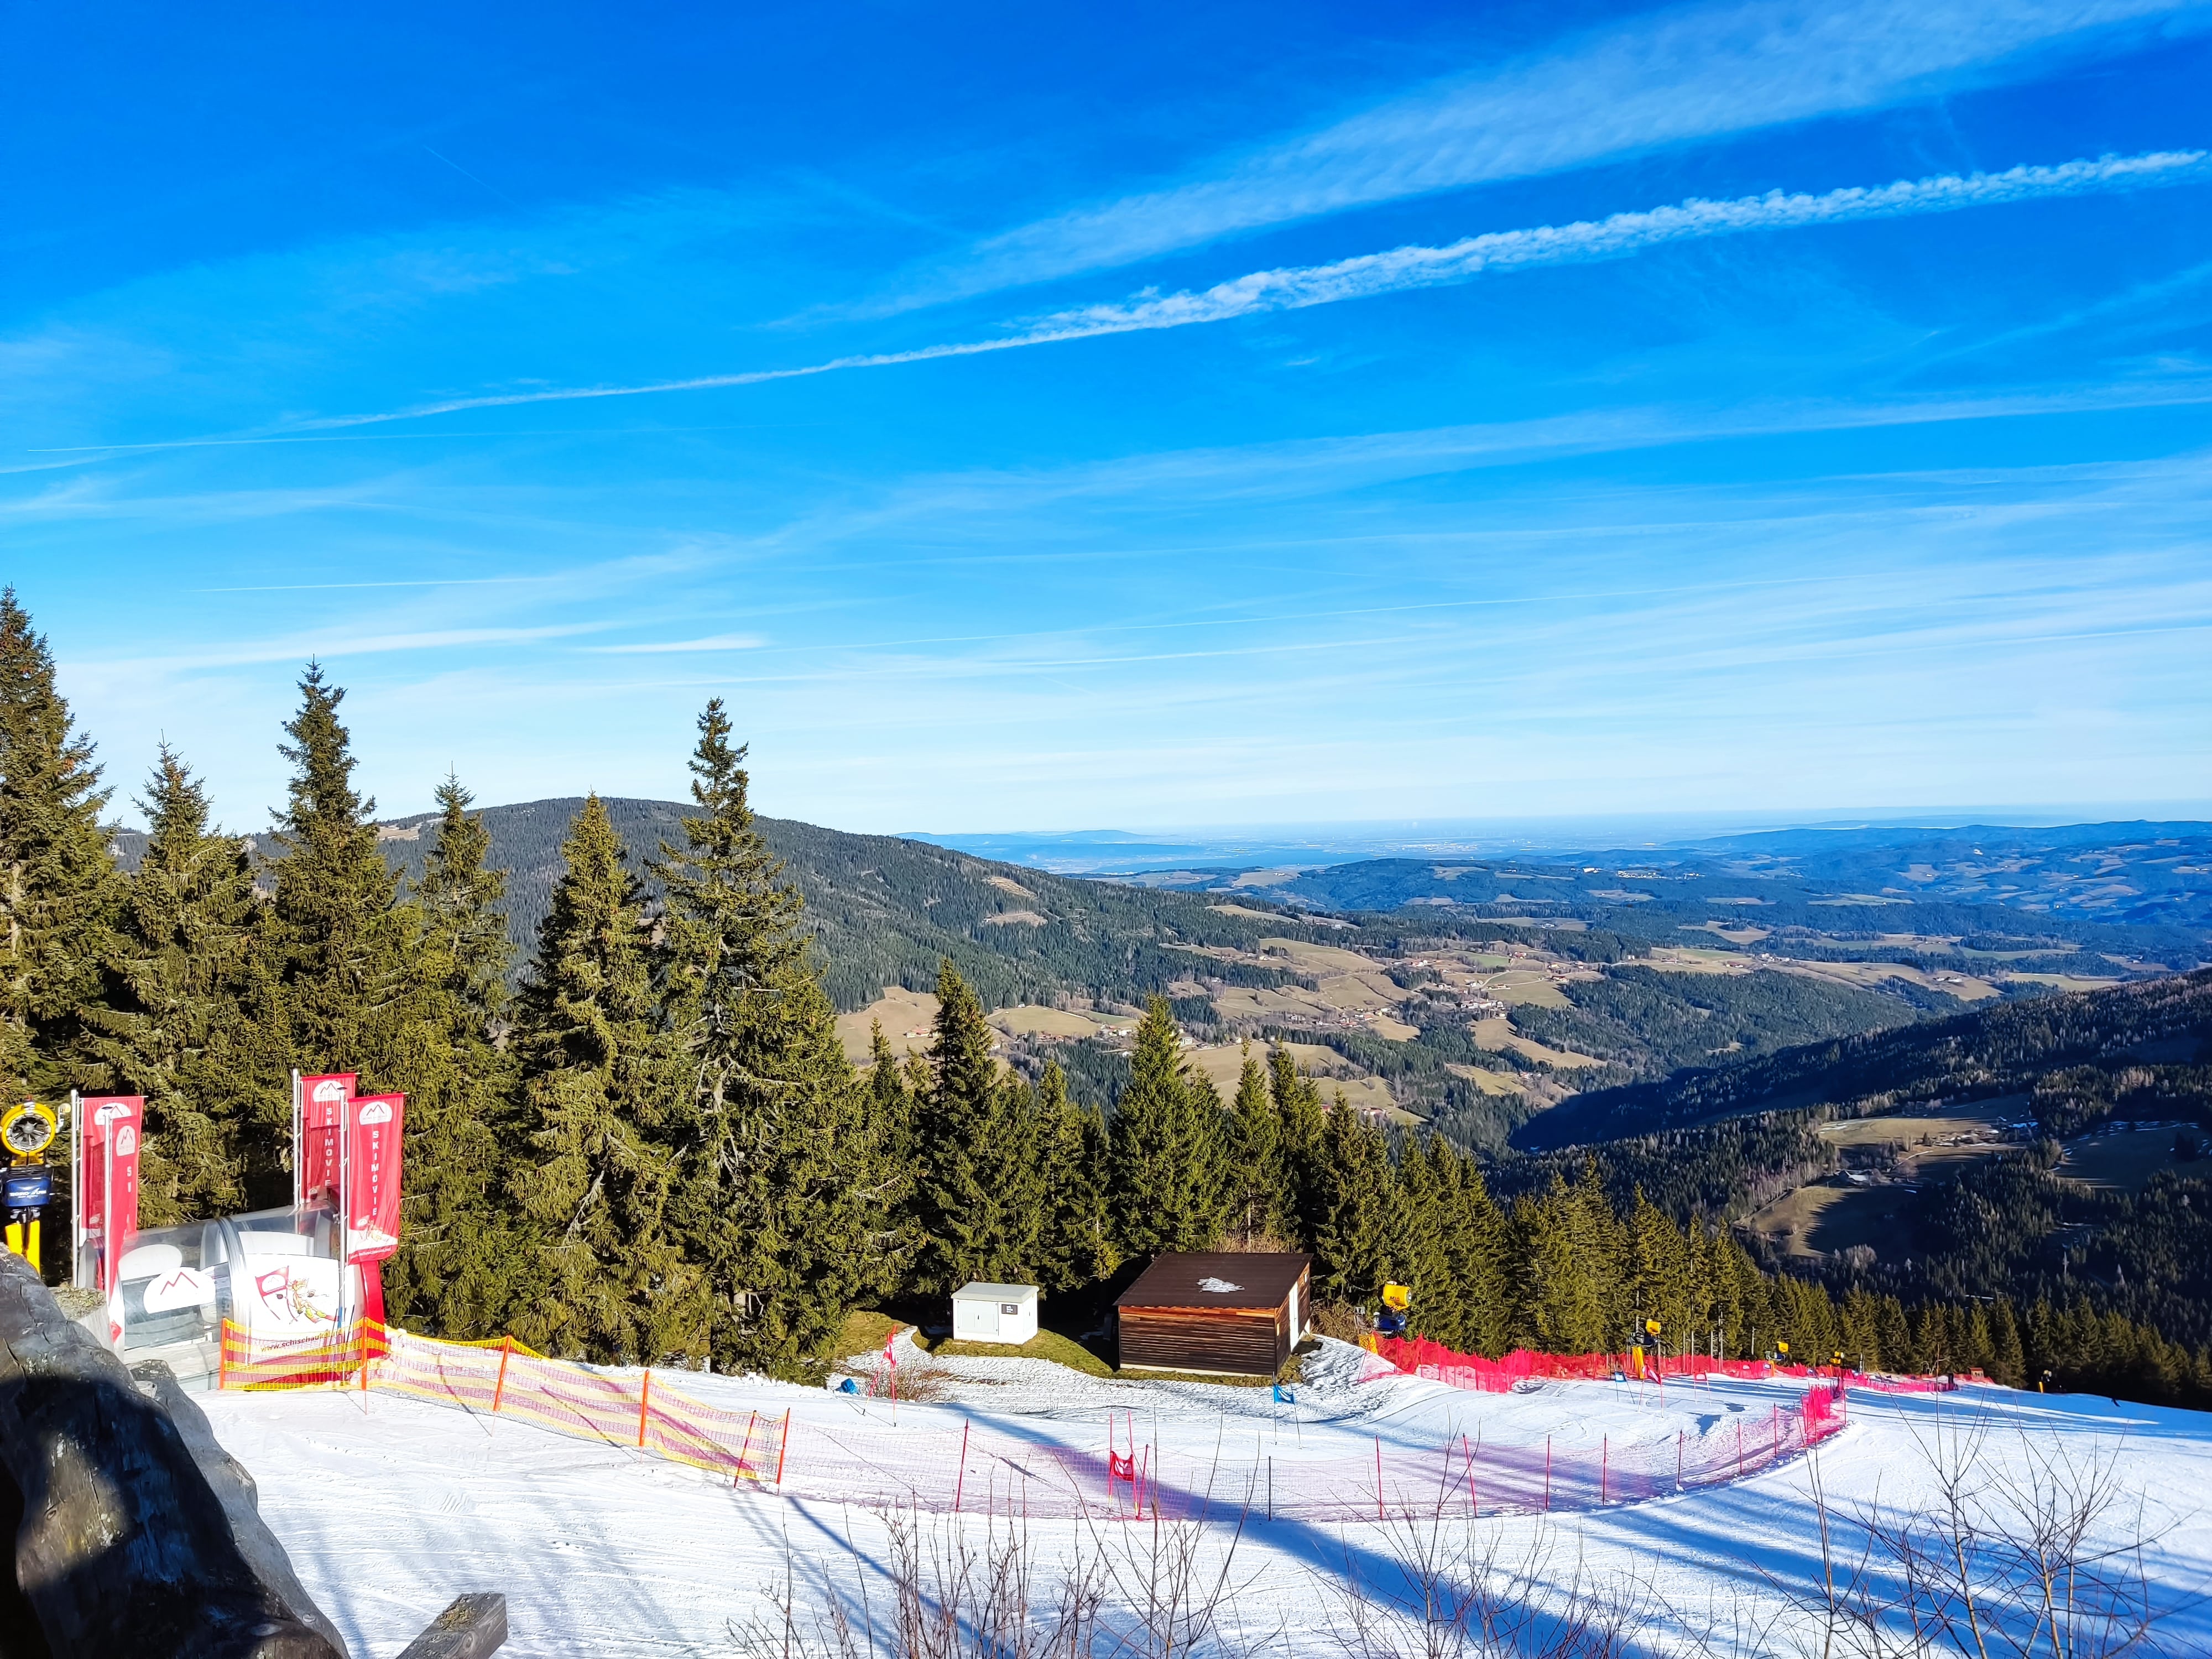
298	1163
108	1276
345	1206
76	1192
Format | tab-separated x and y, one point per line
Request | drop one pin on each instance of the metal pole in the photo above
345	1241
299	1162
77	1191
108	1274
960	1481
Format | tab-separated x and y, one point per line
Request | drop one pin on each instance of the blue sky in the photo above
1145	416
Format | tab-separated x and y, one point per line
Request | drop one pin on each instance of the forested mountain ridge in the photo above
1472	1016
2012	1048
882	910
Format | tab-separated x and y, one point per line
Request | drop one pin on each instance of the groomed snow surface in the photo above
391	1507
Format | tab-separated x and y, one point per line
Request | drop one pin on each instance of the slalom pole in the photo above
644	1404
506	1351
783	1445
1474	1503
745	1452
1271	1488
960	1483
1604	1470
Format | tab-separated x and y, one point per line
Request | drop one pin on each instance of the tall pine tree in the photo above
785	1199
1257	1188
978	1194
454	1270
1078	1248
57	884
344	943
173	1024
1302	1124
608	1281
1168	1148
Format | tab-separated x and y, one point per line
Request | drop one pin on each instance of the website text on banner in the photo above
948	1470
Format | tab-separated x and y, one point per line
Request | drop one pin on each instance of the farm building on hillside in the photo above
994	1313
1237	1315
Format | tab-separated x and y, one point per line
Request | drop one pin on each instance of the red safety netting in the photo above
1420	1357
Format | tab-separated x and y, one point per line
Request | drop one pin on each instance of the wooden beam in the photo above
474	1627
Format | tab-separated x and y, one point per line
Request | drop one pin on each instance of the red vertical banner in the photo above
321	1099
108	1177
372	1167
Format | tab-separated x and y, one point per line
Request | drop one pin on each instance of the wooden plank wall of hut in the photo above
1243	1342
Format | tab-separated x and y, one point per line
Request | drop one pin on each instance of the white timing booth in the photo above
994	1313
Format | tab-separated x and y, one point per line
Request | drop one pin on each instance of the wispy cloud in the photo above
715	642
1370	274
337	644
1689	74
1366	276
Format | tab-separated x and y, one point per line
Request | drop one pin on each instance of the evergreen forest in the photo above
639	1138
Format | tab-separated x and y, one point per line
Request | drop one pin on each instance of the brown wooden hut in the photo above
1236	1315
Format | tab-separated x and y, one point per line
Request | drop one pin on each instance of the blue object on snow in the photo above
1284	1396
849	1386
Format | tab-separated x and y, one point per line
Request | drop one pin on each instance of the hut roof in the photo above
1215	1279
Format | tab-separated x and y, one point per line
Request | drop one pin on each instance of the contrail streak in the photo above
1294	288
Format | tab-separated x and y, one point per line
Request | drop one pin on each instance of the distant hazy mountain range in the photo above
2139	873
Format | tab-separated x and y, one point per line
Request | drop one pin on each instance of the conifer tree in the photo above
1357	1238
1257	1185
1478	1242
57	884
785	1202
1078	1244
894	1090
453	1272
1302	1124
345	945
608	1282
2008	1362
1663	1284
979	1195
1167	1148
1421	1213
171	1025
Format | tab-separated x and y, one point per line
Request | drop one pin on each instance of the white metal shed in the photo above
994	1313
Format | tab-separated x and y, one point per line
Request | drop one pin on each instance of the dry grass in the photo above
907	1017
1497	1034
1045	1344
2119	1161
1820	1220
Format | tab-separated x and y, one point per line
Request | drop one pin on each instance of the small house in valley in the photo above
994	1313
1234	1314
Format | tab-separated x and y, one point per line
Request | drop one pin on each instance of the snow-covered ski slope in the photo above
391	1507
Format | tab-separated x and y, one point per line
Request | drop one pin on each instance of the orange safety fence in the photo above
881	1464
505	1379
